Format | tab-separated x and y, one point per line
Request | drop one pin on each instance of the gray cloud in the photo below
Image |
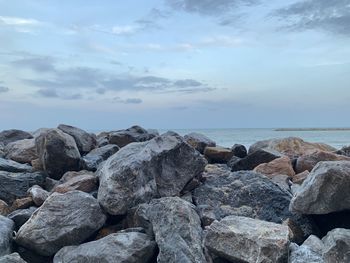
36	63
47	93
4	89
52	93
128	100
330	15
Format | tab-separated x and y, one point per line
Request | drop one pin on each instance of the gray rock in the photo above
91	161
6	228
239	150
85	141
63	220
245	193
337	246
9	136
12	258
315	244
21	216
2	153
140	172
344	151
176	226
14	167
199	141
57	152
243	239
38	194
16	185
303	254
130	247
325	190
132	134
218	154
22	151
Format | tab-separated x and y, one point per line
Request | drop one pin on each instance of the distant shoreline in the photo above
312	129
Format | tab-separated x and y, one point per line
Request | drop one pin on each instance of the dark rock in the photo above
128	247
6	228
331	221
14	167
337	246
218	154
254	159
140	172
21	216
16	185
12	258
58	153
199	141
133	134
344	151
239	150
63	220
22	151
32	257
91	161
85	141
9	136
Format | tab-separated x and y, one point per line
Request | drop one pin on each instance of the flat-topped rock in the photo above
199	141
92	160
8	136
279	166
14	167
22	151
218	154
132	134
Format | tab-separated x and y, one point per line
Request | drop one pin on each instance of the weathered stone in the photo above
12	258
325	190
282	181
38	194
130	247
291	146
309	161
9	136
83	181
239	150
37	165
2	153
91	161
16	185
6	228
243	239
300	177
85	141
199	141
132	134
315	244
140	172
218	154
63	220
244	193
337	246
254	159
22	203
344	151
14	167
303	254
4	208
176	226
58	153
21	216
22	151
281	165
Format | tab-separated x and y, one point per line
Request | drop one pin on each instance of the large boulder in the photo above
199	141
132	134
242	239
16	185
337	246
218	154
58	152
176	226
22	151
63	220
12	258
14	167
6	228
281	165
291	146
245	193
309	161
325	190
129	247
92	160
85	141
9	136
140	172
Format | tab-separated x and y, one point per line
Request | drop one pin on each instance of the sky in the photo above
103	65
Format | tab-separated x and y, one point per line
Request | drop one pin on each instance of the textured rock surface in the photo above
132	134
63	220
177	229
9	136
22	151
12	258
300	177
291	146
303	254
278	166
91	161
142	171
38	194
57	152
218	154
21	216
4	208
16	185
325	190
131	247
239	150
243	239
199	141
14	167
85	141
83	181
337	246
6	228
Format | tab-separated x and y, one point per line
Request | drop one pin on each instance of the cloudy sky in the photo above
174	63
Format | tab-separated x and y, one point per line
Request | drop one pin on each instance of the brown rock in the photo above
4	208
309	161
218	154
22	151
84	181
38	194
37	165
22	203
300	177
281	165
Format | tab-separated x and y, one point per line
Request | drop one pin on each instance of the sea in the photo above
229	137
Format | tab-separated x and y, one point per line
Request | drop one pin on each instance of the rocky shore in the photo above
137	196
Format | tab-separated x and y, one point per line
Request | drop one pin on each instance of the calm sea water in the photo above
228	137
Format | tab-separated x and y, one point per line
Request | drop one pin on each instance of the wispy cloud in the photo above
36	63
19	24
128	100
4	89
